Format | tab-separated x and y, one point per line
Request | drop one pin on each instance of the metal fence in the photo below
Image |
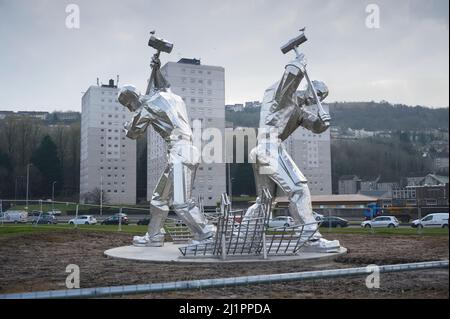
241	235
221	282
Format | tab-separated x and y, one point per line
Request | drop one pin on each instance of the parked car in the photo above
144	221
381	221
44	219
14	216
332	221
114	220
318	217
35	213
55	212
436	220
83	220
281	221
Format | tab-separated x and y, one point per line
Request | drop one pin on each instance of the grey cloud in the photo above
45	66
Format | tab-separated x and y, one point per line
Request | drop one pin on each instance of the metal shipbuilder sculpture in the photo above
282	113
166	112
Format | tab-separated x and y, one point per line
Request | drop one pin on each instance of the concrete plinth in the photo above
170	253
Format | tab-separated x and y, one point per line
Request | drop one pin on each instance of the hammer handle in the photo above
316	98
311	86
158	52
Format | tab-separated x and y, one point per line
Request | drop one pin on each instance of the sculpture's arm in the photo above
290	81
157	81
315	123
138	124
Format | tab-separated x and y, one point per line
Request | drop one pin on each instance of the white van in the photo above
432	220
14	216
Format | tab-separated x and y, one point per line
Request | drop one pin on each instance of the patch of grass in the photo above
7	230
387	231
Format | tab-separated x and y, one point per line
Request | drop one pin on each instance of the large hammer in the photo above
160	45
293	44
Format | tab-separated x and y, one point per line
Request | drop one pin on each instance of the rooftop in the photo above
349	177
189	61
335	198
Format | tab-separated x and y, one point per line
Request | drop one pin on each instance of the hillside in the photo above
373	116
370	116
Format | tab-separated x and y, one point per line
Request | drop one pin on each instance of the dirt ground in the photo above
38	261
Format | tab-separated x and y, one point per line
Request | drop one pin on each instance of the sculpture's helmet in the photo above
321	89
129	97
306	97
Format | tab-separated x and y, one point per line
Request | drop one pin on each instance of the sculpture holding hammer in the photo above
281	114
167	113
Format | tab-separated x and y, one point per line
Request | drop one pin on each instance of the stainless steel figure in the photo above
166	112
282	113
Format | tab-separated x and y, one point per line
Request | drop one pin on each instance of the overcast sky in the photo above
46	66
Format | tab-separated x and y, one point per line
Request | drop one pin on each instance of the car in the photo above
281	221
144	221
318	217
381	221
435	220
55	212
83	220
14	217
333	221
114	220
44	219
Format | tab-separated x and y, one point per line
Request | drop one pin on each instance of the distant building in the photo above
235	107
312	154
378	188
429	198
108	158
38	115
334	201
253	105
67	116
349	184
429	180
5	114
31	114
441	164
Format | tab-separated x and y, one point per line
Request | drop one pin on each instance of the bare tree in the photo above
95	197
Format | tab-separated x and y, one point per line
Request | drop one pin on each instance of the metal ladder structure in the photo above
239	235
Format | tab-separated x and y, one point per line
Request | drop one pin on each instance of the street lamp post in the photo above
230	181
53	196
101	194
28	184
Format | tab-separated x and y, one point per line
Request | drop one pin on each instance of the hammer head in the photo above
160	44
293	43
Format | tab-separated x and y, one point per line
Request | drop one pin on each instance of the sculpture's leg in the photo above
159	211
282	171
184	206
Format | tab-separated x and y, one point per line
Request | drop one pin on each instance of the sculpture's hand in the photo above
324	117
299	62
156	62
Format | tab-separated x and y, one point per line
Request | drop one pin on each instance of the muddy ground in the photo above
35	262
